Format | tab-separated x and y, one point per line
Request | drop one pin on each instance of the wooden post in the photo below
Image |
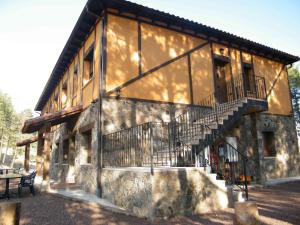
39	156
26	159
46	153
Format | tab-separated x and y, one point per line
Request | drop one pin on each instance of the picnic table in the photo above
8	177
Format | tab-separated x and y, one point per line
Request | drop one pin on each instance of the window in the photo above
55	102
66	151
72	151
249	78
221	76
88	66
56	153
75	81
269	144
50	106
64	97
87	147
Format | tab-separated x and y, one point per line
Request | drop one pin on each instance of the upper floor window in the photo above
249	78
55	102
64	97
75	81
88	66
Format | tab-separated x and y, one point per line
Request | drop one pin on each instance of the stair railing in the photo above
234	161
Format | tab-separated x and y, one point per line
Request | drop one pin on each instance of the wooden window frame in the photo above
87	135
269	147
89	58
66	151
56	153
64	91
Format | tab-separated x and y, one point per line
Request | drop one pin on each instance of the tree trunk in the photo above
13	159
1	144
4	157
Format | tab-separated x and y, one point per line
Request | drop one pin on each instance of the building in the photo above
161	115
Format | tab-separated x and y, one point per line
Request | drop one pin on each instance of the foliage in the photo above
294	78
11	123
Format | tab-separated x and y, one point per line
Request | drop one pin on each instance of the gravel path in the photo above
277	205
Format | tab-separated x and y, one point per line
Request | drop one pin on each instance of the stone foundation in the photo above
286	162
168	192
120	114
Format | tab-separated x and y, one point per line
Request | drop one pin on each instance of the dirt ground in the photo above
277	205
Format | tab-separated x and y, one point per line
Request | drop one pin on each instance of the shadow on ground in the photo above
277	205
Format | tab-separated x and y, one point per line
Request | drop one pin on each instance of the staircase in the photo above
199	128
183	142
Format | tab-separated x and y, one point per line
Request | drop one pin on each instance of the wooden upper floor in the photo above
126	55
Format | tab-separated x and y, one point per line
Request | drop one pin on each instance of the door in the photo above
249	80
220	82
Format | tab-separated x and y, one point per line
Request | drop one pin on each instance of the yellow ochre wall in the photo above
85	94
158	45
276	78
202	70
122	51
170	83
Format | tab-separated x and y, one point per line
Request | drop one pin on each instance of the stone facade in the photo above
168	192
286	162
122	114
79	172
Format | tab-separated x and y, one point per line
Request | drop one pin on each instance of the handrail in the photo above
244	159
179	143
235	90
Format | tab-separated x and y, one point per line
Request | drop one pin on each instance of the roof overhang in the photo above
93	11
52	119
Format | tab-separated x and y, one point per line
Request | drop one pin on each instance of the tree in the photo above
6	119
10	124
294	79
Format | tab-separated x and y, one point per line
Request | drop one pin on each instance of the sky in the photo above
34	32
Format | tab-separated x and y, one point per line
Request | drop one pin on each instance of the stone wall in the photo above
286	162
121	114
80	173
168	192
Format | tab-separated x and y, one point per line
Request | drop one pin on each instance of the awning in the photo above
59	117
27	141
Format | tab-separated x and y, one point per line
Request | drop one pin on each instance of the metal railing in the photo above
182	142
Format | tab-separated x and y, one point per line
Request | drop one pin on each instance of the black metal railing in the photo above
243	86
149	144
182	142
232	164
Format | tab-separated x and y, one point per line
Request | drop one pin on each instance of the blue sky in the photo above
34	32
